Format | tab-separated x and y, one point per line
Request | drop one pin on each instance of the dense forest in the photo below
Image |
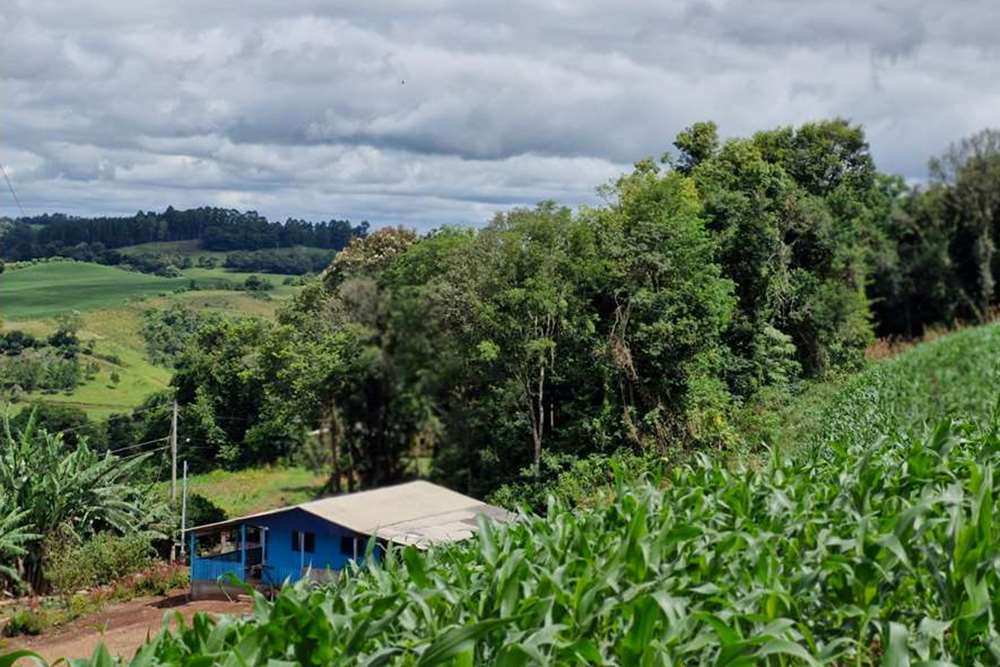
723	274
219	229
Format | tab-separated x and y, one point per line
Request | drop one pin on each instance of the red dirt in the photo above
123	627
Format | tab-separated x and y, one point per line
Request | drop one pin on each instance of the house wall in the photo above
283	562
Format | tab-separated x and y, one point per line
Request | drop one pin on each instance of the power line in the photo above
148	442
10	186
95	423
151	451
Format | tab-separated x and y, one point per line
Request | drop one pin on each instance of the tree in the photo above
792	211
970	170
523	307
696	144
664	306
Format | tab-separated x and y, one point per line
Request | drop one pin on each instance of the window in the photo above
308	540
347	545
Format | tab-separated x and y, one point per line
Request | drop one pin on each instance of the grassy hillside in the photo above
111	302
248	491
50	289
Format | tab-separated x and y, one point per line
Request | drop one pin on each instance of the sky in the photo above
430	112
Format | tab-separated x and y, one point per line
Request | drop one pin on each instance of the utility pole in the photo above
173	454
184	505
173	473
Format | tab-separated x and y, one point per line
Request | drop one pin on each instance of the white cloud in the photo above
300	108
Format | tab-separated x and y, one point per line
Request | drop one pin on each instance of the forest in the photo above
713	282
724	272
90	239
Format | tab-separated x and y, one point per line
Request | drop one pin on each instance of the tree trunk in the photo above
331	429
539	422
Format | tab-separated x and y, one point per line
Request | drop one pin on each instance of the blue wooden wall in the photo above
283	562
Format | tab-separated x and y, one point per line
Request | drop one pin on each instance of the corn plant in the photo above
849	555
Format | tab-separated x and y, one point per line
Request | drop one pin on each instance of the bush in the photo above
26	622
579	482
257	284
160	579
101	560
201	510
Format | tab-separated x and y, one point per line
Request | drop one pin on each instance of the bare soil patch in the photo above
122	627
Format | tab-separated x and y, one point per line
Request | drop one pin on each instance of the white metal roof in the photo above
419	513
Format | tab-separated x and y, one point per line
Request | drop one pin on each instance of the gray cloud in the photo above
300	108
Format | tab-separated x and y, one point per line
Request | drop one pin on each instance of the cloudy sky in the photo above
423	112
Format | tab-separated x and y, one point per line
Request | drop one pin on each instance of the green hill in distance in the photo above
111	302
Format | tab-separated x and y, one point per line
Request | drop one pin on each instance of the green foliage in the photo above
26	622
791	211
72	422
294	261
642	324
68	490
14	538
45	369
257	284
157	580
577	481
201	510
941	264
71	565
167	332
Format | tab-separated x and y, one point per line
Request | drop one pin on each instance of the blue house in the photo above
318	538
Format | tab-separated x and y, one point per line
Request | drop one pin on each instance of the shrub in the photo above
100	560
160	579
201	510
26	622
255	283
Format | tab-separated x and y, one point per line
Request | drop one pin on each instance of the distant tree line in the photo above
294	261
939	256
217	228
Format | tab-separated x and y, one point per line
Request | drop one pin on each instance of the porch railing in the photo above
213	568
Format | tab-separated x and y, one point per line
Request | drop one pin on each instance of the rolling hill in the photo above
110	302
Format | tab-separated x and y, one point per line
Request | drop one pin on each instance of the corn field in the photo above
854	556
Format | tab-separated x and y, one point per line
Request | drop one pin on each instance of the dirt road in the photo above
122	628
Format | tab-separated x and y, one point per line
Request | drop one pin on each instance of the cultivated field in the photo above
111	302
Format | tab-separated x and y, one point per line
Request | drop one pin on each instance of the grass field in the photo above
50	289
248	491
111	302
53	288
